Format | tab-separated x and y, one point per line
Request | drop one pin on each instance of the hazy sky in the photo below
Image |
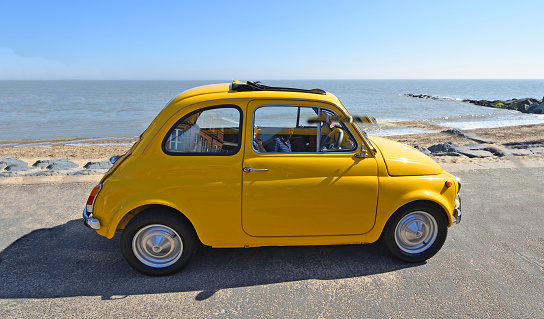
258	40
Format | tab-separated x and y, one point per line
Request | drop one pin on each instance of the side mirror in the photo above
362	153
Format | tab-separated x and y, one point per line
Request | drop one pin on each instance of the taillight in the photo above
92	198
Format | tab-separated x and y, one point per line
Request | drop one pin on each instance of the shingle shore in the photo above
11	167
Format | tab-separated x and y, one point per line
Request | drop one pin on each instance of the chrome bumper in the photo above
89	221
457	210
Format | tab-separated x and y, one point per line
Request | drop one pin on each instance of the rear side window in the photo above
208	131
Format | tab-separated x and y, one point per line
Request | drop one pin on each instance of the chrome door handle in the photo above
249	169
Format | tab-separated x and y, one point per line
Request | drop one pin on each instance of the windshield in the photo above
361	130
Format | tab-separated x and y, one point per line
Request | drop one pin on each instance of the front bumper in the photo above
89	221
457	210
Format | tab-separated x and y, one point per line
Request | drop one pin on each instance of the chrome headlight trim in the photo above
458	183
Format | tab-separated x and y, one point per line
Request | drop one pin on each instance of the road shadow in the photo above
71	260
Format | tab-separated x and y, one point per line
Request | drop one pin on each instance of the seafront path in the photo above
492	264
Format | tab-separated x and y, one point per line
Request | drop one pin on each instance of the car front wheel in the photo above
416	232
158	242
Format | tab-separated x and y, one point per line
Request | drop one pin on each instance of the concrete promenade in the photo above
492	265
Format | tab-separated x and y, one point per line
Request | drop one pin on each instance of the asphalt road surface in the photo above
492	265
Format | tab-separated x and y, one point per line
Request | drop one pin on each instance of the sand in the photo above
104	149
89	152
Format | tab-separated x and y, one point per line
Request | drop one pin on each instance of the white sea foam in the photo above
79	142
468	125
97	144
447	98
398	131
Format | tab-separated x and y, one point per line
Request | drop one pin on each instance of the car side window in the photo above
294	129
208	131
334	135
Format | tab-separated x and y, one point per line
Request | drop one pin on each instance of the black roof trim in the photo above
257	86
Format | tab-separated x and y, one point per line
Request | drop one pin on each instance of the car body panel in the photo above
304	199
403	160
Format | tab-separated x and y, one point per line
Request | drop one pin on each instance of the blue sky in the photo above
224	40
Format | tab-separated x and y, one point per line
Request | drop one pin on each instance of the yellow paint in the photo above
403	160
303	198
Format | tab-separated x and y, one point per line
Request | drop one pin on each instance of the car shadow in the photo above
70	260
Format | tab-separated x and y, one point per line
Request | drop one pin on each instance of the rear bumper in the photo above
89	221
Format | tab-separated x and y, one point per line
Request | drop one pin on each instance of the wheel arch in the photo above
432	203
140	209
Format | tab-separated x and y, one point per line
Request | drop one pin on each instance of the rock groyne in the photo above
525	105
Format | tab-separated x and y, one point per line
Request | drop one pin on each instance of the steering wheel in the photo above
336	144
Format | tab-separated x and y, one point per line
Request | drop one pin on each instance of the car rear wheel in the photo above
416	232
158	242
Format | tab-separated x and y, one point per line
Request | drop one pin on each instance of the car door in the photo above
298	179
199	170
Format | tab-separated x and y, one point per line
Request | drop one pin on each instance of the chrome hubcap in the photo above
157	246
416	232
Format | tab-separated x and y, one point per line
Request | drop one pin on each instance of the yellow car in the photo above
248	165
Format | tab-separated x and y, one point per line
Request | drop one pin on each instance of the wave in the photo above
432	97
384	131
469	125
73	142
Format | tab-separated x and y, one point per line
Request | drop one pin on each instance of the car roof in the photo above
249	89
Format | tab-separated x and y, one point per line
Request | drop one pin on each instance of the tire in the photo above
416	232
158	242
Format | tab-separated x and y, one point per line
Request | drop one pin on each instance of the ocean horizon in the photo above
65	109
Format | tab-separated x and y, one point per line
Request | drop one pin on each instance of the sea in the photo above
110	110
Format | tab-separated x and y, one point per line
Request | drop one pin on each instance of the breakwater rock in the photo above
11	167
477	150
525	105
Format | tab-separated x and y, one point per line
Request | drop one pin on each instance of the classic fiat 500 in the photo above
248	165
